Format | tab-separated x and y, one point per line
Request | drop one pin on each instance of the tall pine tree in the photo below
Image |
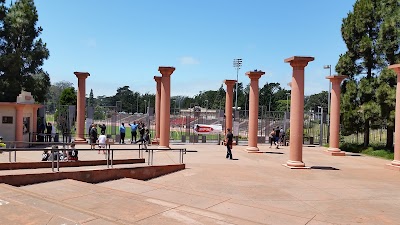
362	32
22	52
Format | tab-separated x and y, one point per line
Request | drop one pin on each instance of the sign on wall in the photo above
207	129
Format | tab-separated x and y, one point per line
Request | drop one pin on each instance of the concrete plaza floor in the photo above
252	189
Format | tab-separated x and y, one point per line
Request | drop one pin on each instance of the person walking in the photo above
272	138
93	136
229	142
122	133
277	135
145	140
134	127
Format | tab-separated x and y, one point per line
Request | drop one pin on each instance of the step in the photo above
124	207
93	174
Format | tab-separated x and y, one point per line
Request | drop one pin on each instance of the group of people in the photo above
136	127
277	137
65	155
144	133
46	132
101	139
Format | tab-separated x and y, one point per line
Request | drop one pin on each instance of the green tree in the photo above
22	52
360	32
91	99
313	101
67	98
388	44
54	93
126	97
271	94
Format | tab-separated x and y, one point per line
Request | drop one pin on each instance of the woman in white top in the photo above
102	142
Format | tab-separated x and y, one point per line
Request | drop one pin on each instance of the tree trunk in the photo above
366	133
390	136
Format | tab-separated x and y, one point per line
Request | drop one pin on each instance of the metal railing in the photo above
109	152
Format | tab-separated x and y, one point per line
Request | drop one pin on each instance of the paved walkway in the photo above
252	189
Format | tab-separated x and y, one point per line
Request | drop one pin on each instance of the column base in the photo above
295	165
80	140
252	149
164	147
394	165
155	142
335	152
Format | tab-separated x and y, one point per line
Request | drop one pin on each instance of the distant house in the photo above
19	118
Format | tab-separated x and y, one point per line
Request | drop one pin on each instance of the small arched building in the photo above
19	119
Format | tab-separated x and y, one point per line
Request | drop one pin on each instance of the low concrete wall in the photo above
38	165
93	176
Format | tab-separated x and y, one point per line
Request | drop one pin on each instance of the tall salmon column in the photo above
297	111
165	106
335	116
229	103
253	109
395	164
34	118
81	105
158	105
19	123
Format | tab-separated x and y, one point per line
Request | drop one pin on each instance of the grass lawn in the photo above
373	150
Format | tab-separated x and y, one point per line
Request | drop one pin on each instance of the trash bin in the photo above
117	138
261	139
311	140
194	139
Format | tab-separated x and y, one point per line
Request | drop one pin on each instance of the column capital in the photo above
396	68
255	75
166	70
81	75
157	79
229	82
336	78
299	62
19	106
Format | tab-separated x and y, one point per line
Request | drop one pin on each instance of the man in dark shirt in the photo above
229	141
103	128
277	135
49	127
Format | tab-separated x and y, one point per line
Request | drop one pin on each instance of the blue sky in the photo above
123	42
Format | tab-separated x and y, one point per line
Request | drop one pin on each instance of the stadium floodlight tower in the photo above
237	63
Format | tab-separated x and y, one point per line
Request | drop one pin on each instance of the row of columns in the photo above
395	164
298	63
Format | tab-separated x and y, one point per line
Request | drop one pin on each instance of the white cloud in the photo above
188	60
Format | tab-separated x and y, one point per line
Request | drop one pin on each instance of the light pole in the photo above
287	102
270	97
137	104
321	131
237	63
329	100
206	107
145	102
174	105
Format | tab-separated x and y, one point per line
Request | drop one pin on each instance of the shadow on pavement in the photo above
278	153
323	168
353	154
